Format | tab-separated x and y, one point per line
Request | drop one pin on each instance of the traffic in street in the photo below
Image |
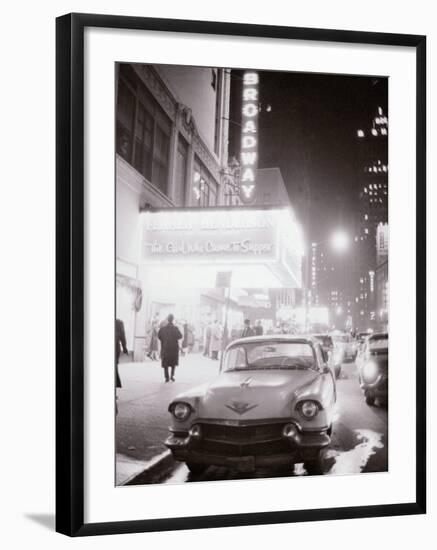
358	440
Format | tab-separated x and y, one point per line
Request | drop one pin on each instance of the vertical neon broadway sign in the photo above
249	137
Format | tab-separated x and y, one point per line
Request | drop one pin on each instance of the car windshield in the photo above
341	338
378	343
270	355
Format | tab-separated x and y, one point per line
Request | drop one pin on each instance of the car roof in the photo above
297	339
378	335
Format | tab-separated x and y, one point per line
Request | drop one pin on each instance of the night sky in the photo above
310	134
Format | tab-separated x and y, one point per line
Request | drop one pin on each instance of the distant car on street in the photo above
360	345
373	368
271	405
334	359
344	345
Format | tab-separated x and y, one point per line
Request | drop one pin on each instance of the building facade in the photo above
171	151
372	192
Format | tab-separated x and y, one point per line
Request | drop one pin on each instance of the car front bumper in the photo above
300	447
379	387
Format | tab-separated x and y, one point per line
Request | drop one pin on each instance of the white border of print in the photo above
103	501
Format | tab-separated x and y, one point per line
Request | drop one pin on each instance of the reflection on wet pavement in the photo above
354	460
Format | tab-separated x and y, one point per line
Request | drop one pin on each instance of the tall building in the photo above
171	151
177	250
326	284
381	277
372	183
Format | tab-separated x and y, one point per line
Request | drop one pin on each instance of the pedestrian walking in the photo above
248	330
154	342
169	336
216	340
259	330
120	345
207	340
188	339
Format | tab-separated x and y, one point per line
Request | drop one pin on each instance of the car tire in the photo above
370	398
196	468
314	466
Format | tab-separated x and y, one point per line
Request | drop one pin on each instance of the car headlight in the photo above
370	371
308	409
181	411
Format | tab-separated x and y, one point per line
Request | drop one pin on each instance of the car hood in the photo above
256	394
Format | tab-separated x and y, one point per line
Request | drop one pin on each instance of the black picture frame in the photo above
70	272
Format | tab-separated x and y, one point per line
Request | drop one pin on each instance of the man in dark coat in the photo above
169	335
248	330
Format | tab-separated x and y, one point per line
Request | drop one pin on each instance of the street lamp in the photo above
340	241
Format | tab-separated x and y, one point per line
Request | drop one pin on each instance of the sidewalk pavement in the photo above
143	417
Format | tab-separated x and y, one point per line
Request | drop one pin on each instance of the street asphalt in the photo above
359	438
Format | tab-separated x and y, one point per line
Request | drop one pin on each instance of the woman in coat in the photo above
154	342
216	340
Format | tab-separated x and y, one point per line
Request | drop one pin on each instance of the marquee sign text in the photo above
249	137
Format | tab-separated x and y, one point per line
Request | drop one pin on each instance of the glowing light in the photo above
372	280
374	132
340	241
360	133
249	138
370	371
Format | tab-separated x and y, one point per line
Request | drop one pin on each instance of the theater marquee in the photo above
267	238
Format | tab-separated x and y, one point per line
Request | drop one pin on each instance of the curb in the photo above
155	470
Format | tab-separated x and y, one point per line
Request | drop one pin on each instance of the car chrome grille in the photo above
262	439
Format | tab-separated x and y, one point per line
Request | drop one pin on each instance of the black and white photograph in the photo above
252	283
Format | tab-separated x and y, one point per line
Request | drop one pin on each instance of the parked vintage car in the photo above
373	368
271	405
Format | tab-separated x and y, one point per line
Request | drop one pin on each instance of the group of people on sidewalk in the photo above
165	343
153	344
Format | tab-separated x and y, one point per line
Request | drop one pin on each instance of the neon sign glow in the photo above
249	137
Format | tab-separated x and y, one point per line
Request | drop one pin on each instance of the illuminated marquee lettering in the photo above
248	175
250	110
249	142
248	158
250	94
249	136
249	127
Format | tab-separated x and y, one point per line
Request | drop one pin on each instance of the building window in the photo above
204	186
125	120
181	171
143	129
